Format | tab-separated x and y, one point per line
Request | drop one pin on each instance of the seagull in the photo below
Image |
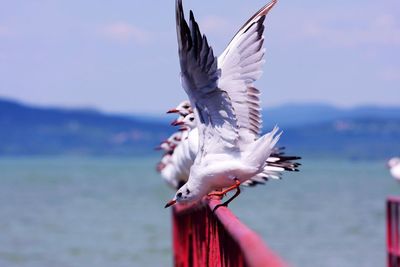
176	170
175	166
226	106
394	166
171	142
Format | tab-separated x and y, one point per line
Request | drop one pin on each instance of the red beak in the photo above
170	203
177	123
172	111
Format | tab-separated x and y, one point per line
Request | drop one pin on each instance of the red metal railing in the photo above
393	230
203	238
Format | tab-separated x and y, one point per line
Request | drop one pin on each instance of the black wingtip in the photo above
191	15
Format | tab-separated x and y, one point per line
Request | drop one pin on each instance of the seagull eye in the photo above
191	119
179	194
187	191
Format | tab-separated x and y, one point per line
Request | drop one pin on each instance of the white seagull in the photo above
394	166
175	167
171	142
226	105
176	163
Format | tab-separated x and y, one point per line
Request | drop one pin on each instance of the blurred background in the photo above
84	86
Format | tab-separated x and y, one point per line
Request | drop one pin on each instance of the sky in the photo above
121	56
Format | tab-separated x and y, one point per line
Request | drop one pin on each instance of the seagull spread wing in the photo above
215	116
240	65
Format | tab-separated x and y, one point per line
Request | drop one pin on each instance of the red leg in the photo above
225	204
223	192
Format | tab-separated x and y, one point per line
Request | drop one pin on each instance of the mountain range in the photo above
309	130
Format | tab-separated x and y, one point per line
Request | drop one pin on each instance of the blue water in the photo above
109	212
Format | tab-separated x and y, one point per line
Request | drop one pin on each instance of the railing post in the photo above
204	238
392	231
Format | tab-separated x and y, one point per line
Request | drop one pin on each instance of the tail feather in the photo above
259	151
276	165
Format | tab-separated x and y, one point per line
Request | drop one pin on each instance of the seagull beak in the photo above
172	111
177	123
170	203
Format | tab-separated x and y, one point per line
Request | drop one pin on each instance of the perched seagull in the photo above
276	163
171	142
178	162
394	166
168	166
176	170
226	106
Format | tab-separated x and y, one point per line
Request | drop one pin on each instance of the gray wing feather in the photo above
215	116
241	64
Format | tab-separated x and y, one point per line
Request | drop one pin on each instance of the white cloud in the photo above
124	32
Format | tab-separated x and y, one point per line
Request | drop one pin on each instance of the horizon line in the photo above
158	114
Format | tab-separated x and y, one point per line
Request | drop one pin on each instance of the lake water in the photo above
109	212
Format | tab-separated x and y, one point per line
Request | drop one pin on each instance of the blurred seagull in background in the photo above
175	164
394	166
226	106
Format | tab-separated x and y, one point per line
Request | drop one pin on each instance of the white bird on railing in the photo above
185	152
171	142
176	170
168	167
226	105
394	166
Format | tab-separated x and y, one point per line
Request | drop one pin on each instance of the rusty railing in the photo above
393	227
203	238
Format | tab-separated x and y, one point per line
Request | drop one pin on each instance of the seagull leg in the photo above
225	204
223	192
215	194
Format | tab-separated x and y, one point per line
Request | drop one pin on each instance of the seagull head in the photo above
160	166
165	146
189	121
183	108
175	138
186	195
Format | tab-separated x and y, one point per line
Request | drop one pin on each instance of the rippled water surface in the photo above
109	212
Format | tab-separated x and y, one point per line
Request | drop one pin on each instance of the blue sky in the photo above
121	56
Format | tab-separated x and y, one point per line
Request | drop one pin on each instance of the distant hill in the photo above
323	130
302	114
356	138
315	130
26	130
